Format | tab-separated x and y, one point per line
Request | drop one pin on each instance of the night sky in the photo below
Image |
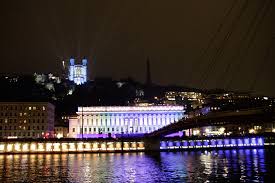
206	44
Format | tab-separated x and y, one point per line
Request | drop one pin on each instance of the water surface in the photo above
250	165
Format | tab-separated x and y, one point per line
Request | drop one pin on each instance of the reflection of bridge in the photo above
257	115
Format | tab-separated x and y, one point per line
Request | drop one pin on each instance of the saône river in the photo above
241	165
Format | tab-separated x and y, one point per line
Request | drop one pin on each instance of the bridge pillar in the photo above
152	144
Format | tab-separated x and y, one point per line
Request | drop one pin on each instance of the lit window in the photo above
30	108
43	108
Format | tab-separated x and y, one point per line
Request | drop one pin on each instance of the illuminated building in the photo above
26	119
117	120
78	72
60	132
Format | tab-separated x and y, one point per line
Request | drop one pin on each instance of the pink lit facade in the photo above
117	120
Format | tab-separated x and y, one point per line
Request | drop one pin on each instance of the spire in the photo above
148	72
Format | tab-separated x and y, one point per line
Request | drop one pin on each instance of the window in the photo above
73	129
94	129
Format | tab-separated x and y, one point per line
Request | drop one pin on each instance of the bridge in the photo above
248	116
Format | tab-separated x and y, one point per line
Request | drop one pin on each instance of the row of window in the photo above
116	130
20	134
131	122
22	121
22	108
21	128
134	115
21	114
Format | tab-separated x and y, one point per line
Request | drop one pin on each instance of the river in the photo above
243	165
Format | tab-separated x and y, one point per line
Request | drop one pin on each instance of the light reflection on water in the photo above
194	166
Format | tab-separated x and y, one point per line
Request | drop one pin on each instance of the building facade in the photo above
78	72
26	120
92	122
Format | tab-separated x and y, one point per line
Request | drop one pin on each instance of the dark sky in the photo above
214	44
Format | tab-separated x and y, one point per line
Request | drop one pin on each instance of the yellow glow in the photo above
134	145
56	147
59	135
251	131
273	130
95	146
25	147
72	147
9	147
17	147
80	146
221	130
196	132
64	147
33	147
41	147
87	146
118	145
2	147
48	147
126	145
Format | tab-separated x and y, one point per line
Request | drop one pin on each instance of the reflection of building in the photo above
26	119
101	121
78	73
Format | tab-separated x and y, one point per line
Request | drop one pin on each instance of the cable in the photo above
223	43
243	40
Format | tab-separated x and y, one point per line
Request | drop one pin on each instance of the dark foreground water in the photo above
251	165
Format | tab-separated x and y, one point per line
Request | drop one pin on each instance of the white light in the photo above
221	130
2	147
59	135
273	130
9	147
251	131
196	132
25	147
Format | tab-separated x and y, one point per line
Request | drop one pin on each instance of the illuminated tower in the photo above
78	72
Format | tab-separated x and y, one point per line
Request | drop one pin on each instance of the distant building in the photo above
60	132
26	119
190	99
78	72
118	120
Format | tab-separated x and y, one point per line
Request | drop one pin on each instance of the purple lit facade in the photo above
213	143
100	122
